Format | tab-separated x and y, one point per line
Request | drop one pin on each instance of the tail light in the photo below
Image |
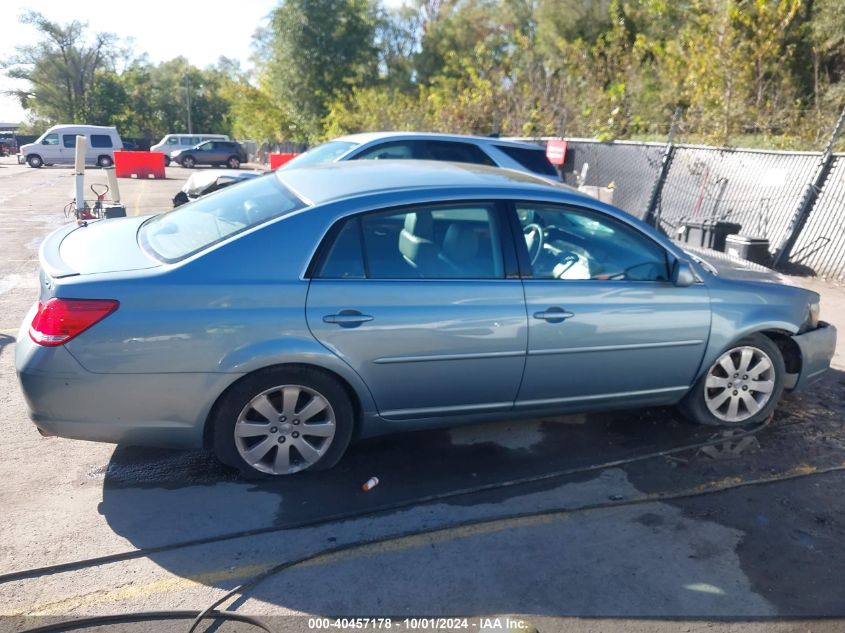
60	320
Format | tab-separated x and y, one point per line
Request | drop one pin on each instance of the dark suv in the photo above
214	153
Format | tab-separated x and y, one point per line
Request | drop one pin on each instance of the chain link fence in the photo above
820	248
761	190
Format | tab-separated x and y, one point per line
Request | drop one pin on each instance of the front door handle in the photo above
347	318
553	315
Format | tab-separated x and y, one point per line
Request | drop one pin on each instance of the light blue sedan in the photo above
278	319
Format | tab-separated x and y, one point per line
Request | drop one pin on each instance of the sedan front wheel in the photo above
742	387
282	421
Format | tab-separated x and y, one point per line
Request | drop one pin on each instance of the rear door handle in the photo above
553	315
347	318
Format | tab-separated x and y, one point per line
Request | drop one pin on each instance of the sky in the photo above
164	29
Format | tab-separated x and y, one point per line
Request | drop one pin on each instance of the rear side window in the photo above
69	140
532	159
458	153
100	140
443	242
344	259
210	219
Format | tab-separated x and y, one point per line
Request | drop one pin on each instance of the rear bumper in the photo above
64	399
817	349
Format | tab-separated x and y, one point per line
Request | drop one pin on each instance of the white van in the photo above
57	146
174	142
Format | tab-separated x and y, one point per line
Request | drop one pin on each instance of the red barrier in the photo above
139	164
277	160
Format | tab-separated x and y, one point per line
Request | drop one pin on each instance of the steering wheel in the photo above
534	240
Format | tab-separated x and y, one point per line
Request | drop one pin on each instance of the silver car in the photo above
456	148
276	320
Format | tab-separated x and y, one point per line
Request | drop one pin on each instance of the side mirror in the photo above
682	274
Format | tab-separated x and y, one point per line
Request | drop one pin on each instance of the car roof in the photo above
366	137
62	126
324	182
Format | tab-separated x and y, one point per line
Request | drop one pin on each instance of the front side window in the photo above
569	244
205	147
51	139
172	140
100	140
210	219
437	242
394	150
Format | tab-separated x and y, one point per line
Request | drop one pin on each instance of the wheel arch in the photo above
789	349
780	332
351	392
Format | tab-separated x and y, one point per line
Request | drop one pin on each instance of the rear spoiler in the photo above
51	263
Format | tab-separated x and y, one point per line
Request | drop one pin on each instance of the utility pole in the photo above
188	103
808	200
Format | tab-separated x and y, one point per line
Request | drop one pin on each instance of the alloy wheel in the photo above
739	384
285	429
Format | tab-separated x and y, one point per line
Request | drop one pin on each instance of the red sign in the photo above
556	152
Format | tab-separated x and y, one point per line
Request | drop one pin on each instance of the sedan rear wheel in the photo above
741	387
233	162
282	421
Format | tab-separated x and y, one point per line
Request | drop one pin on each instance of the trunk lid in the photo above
101	246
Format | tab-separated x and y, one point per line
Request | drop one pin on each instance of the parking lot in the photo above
600	522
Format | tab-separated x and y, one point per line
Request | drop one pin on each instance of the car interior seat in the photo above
416	242
459	255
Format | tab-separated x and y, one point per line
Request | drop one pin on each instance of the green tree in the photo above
319	50
62	68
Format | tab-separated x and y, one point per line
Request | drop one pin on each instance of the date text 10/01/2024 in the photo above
483	624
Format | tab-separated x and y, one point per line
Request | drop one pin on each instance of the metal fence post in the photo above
811	194
652	214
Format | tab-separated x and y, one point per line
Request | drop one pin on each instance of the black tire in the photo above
189	162
167	161
694	405
227	411
104	161
34	161
233	162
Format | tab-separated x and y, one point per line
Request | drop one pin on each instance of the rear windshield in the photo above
324	153
532	159
199	224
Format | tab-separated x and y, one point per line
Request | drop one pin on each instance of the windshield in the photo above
324	153
199	224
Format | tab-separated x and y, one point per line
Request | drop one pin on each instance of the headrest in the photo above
460	243
420	224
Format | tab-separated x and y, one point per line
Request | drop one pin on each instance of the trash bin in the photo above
708	233
754	249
